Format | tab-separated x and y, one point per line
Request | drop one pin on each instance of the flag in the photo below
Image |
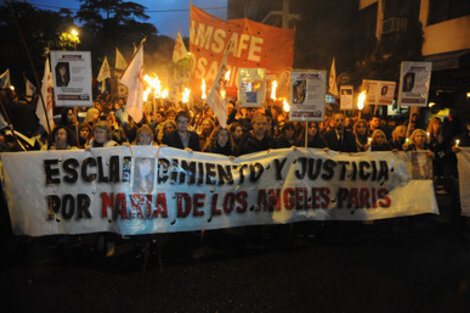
215	99
120	63
46	91
3	122
133	80
105	72
5	81
30	88
333	87
179	51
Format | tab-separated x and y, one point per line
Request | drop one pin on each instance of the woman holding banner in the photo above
360	131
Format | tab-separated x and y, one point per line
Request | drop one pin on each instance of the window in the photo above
443	10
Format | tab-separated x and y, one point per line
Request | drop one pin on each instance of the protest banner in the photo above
463	158
307	96
253	45
379	92
71	71
129	191
251	86
346	97
415	79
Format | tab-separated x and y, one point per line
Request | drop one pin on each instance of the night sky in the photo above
167	23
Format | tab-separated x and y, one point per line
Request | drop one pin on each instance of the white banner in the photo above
71	71
307	96
415	79
171	190
463	158
251	86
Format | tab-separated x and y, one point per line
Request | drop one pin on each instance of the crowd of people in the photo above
248	130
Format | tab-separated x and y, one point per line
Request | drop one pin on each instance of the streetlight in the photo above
75	39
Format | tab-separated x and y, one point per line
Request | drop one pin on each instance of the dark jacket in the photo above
173	139
346	144
250	144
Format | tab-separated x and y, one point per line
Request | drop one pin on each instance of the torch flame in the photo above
146	94
227	75
186	94
273	89
361	100
165	93
203	88
155	84
223	93
286	106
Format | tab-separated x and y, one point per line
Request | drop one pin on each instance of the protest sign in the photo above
251	86
379	92
307	97
415	79
71	71
144	190
253	45
346	97
464	181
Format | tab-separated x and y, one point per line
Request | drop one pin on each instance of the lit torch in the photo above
227	75
203	88
273	90
146	94
360	102
286	106
186	94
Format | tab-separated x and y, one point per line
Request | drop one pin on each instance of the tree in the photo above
112	23
40	28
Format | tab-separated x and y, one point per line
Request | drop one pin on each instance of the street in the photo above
413	264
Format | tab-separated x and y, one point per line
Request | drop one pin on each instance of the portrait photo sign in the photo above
307	95
71	71
415	78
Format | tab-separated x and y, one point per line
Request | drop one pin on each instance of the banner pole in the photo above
306	134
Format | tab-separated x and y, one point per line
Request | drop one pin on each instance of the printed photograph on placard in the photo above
346	97
251	86
307	95
143	175
71	71
415	78
421	164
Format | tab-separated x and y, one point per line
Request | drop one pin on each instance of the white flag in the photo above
332	80
120	63
30	88
133	80
46	91
215	99
105	72
5	81
179	51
